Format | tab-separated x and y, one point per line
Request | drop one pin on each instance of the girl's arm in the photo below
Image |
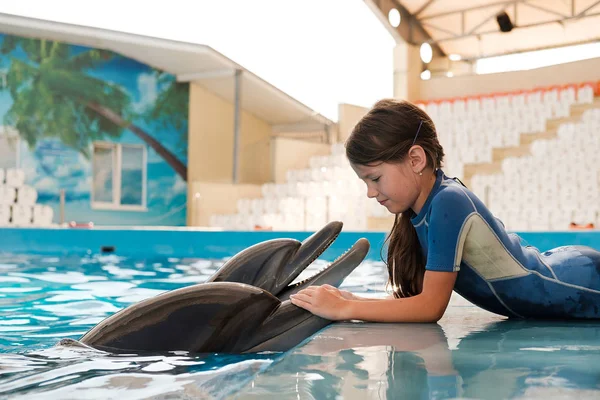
429	306
351	296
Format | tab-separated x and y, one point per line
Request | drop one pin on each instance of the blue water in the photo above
497	360
469	354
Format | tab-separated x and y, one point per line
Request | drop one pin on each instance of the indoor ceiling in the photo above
470	29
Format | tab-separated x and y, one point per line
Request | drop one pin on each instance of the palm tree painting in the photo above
71	96
53	96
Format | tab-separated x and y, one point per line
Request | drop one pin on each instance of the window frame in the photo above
117	163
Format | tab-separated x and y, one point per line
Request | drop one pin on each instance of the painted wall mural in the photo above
110	131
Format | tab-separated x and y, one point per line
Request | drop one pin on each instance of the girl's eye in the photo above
376	179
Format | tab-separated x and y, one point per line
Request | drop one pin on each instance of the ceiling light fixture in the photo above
394	17
426	53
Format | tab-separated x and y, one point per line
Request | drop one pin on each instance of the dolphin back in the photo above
220	317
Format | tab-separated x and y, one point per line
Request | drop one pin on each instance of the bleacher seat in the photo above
21	215
26	195
18	202
529	194
15	177
42	215
7	194
4	214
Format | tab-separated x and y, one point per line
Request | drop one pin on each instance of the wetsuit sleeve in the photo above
448	229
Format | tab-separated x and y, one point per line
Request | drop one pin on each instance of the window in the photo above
119	177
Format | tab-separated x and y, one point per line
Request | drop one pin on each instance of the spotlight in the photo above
426	75
504	22
426	53
455	57
449	74
394	17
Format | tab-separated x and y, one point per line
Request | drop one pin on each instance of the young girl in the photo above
444	238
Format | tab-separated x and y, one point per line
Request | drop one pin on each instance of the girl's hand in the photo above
322	301
344	293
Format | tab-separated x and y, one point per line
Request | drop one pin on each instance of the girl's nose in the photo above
371	192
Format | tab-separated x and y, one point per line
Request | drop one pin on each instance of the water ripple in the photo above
46	299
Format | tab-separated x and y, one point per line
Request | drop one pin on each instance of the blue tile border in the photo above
189	242
142	242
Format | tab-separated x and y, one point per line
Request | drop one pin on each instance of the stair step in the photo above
528	138
555	123
500	153
481	169
525	140
578	109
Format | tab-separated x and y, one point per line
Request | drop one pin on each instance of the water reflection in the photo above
363	360
531	359
507	359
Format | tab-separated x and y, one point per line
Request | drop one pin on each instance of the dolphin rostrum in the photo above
244	307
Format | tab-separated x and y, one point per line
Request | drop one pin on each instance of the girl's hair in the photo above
385	134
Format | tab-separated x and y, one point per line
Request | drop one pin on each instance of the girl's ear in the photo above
418	158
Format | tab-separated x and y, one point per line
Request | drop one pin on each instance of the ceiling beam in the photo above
423	8
428	20
505	3
495	31
535	6
428	25
485	20
583	13
410	29
413	26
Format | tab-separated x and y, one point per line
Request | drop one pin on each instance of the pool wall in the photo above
188	242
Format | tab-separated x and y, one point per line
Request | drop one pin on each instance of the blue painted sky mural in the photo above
61	99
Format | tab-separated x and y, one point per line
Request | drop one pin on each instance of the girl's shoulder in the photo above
453	194
452	204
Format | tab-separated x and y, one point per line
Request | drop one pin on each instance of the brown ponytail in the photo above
406	264
385	134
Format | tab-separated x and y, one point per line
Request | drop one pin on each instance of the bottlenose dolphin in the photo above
244	307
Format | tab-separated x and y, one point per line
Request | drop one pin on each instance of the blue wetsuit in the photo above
496	272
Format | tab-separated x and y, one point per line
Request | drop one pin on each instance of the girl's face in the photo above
395	186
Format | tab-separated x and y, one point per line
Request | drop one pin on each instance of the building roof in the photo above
189	62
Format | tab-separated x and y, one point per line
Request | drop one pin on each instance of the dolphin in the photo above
243	308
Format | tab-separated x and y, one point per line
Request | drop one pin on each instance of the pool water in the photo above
470	353
483	359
